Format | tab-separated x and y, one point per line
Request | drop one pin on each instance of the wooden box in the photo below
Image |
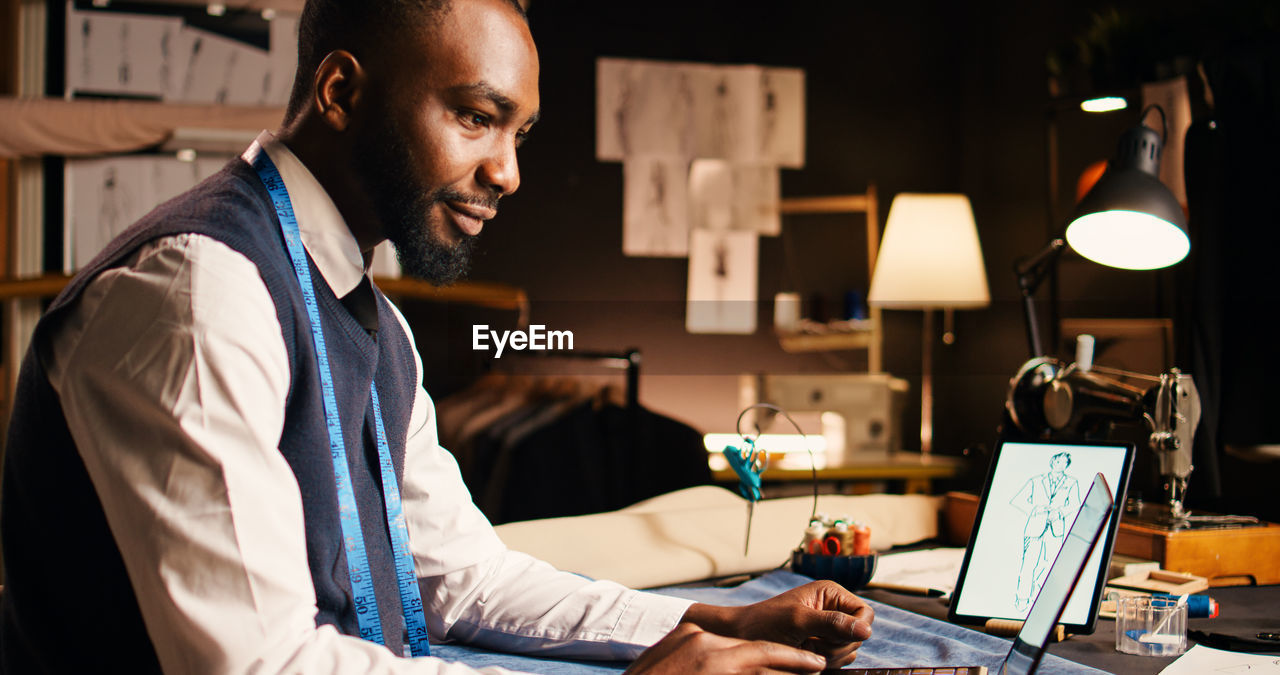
1238	556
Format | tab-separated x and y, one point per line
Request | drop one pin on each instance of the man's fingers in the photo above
729	655
688	650
769	656
841	616
837	627
836	597
837	655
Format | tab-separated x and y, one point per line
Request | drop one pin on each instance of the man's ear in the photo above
339	88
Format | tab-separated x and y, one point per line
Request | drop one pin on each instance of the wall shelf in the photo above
797	343
55	126
479	293
870	336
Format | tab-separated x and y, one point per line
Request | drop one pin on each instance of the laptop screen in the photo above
1067	568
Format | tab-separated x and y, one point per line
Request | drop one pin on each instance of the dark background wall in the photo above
926	97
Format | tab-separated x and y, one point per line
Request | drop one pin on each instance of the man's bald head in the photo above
359	27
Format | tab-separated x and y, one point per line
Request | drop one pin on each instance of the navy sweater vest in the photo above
68	604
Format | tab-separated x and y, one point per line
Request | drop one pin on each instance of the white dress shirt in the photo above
172	373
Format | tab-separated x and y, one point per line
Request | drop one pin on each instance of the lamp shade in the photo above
930	256
1130	219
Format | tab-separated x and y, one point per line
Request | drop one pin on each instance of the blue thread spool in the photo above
1198	606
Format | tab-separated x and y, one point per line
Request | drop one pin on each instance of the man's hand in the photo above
690	650
821	617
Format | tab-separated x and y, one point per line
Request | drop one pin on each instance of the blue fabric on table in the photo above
481	658
895	641
895	634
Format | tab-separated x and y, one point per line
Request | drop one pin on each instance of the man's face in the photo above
1058	464
450	108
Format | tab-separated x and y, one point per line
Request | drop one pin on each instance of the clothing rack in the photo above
628	360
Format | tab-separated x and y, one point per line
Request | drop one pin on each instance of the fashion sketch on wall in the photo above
701	146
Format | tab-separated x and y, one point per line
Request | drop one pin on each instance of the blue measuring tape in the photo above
366	603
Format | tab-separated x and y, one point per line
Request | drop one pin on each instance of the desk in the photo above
916	472
898	638
1242	609
896	635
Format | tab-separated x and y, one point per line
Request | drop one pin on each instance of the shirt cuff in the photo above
647	619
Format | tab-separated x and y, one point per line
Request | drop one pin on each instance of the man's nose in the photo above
500	171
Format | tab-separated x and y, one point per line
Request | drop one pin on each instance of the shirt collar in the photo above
325	234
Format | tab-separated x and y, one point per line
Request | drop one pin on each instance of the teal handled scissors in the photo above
748	462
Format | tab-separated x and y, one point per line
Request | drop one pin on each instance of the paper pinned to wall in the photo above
104	196
224	71
612	92
693	110
655	206
725	195
722	281
283	58
643	108
782	116
727	112
118	53
734	125
141	55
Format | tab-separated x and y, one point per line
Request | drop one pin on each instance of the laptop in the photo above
1032	639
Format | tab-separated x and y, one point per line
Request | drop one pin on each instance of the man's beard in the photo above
390	177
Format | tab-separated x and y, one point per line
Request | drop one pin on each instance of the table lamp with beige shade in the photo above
930	258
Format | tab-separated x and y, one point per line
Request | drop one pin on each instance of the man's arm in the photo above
172	372
478	591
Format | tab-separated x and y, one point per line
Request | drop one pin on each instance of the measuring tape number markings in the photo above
366	604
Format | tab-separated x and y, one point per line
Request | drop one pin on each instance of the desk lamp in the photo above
930	258
1128	220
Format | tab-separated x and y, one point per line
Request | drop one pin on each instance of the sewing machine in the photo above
1050	399
867	409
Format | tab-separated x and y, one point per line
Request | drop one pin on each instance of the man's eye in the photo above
474	119
521	137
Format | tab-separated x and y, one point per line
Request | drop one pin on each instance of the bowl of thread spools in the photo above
838	549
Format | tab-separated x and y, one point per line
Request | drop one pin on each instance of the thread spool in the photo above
1084	353
831	545
1198	606
786	311
812	542
841	530
861	539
